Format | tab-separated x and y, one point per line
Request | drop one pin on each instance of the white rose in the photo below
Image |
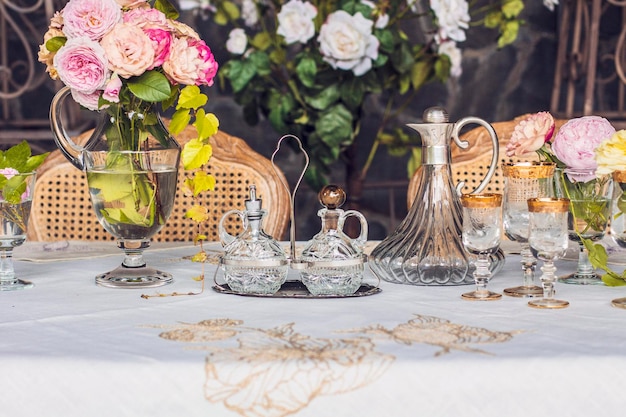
295	21
249	13
550	4
237	41
346	42
450	49
452	18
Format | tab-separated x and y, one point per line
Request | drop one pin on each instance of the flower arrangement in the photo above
123	58
308	65
17	166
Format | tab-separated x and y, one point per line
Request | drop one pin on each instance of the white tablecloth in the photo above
69	348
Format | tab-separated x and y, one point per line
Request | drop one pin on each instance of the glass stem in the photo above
7	273
528	265
547	279
584	265
482	273
133	251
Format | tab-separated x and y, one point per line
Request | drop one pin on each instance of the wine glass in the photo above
589	211
133	196
524	180
482	228
617	225
548	241
13	225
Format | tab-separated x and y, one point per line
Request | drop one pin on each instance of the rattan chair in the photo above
471	165
62	208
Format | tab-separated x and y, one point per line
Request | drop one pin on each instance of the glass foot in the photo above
15	285
548	303
141	277
524	291
481	296
619	303
580	279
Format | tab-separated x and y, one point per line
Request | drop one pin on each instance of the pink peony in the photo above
161	43
112	89
90	18
576	141
530	134
131	4
129	50
82	65
190	62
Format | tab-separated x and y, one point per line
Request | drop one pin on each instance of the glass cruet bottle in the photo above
333	261
253	262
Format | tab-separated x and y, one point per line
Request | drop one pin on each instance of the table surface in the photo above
71	348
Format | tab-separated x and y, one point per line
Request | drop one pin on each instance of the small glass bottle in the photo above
253	262
333	261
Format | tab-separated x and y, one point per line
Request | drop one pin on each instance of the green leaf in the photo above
195	153
442	68
16	156
151	86
386	39
240	73
191	98
180	120
226	11
201	182
167	8
35	161
14	188
261	62
420	72
509	33
306	70
56	43
261	41
353	92
335	126
512	8
597	254
402	59
613	280
414	162
493	19
206	124
324	98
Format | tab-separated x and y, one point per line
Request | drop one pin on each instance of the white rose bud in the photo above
237	41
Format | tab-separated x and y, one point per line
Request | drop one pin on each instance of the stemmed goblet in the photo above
524	180
589	211
13	225
482	228
548	241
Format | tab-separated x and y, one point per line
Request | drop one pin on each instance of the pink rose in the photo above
129	50
90	18
131	4
576	141
190	62
112	89
530	134
87	100
146	18
161	43
82	64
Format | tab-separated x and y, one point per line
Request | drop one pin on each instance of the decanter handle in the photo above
362	238
225	237
463	144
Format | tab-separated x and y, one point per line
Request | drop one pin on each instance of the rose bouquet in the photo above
308	66
124	58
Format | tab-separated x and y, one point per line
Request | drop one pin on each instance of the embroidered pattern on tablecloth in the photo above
278	371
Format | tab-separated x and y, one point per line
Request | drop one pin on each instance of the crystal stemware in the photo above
133	195
482	228
548	242
13	226
589	211
524	180
617	225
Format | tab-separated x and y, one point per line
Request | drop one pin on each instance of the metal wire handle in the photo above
292	216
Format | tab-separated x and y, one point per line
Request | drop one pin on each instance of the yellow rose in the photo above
611	154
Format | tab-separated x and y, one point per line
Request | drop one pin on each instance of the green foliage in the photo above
18	157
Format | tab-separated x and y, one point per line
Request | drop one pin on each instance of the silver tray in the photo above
296	289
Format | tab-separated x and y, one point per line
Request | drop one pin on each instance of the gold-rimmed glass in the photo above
522	181
482	229
548	241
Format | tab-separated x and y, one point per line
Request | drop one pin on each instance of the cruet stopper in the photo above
331	262
253	262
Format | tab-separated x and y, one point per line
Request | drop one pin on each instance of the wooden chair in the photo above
471	165
62	207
